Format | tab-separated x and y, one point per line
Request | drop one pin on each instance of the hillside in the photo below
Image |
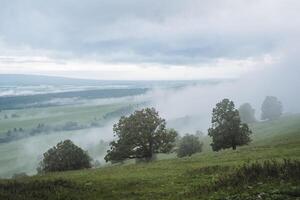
186	178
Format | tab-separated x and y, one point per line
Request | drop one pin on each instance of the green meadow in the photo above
30	117
192	177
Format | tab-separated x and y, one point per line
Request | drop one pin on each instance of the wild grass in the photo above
267	175
41	189
261	171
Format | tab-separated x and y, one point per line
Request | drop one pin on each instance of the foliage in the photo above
189	144
247	113
19	175
172	178
258	171
140	135
47	189
271	108
227	131
64	156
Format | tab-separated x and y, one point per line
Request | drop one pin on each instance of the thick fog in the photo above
280	79
186	109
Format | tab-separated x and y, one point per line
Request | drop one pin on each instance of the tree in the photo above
64	156
271	108
189	144
247	113
227	131
140	135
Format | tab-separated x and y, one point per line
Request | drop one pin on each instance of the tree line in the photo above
143	134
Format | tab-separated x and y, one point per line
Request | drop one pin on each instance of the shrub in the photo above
19	175
271	108
188	145
247	113
41	189
64	156
269	169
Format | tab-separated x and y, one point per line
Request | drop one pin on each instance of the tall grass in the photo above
256	171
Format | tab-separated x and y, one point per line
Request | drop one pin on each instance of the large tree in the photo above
227	131
247	113
140	135
64	156
271	108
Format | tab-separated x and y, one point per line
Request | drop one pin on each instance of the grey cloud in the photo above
176	32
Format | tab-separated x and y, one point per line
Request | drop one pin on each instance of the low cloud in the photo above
137	32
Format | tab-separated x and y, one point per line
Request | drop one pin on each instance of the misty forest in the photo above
149	100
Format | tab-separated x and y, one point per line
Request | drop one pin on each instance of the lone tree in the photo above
271	108
247	113
188	145
64	156
227	131
140	135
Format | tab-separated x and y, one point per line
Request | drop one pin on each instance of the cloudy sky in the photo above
143	39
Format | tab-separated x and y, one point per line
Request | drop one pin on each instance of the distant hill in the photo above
31	80
23	80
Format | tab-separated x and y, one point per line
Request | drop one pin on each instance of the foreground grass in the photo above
187	178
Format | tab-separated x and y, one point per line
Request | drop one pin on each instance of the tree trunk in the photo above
233	147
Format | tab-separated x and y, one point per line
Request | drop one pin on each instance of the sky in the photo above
147	40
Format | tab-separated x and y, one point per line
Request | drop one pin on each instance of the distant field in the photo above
31	117
183	178
44	100
23	154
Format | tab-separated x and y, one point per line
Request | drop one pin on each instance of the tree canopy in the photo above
64	156
188	145
247	113
140	135
271	108
227	131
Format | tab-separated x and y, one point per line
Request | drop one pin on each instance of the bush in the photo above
269	169
271	108
188	145
64	156
19	175
247	113
41	189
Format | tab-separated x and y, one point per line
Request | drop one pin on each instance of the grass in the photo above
184	178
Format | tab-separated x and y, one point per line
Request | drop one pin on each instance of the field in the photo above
31	117
23	154
173	178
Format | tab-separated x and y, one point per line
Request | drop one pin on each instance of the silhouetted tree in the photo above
140	135
247	113
188	145
64	156
271	108
227	131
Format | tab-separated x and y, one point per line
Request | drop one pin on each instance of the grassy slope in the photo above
180	178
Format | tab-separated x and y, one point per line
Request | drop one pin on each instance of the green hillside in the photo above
187	178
